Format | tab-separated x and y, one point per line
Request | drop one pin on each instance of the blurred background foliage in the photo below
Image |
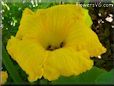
11	15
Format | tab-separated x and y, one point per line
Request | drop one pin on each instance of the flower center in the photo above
51	48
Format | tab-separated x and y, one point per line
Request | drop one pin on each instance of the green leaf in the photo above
43	5
88	77
43	82
106	78
10	67
88	19
86	1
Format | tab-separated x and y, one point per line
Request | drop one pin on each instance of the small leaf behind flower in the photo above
88	77
106	78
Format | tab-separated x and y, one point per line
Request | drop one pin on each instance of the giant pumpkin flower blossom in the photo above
53	42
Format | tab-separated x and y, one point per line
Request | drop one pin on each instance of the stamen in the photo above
61	45
50	48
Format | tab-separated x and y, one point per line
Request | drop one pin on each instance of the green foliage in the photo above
10	67
88	77
94	76
106	78
86	1
43	82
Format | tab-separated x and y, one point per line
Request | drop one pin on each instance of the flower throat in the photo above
51	48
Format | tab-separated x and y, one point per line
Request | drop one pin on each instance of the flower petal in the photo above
27	25
52	23
29	55
66	62
81	37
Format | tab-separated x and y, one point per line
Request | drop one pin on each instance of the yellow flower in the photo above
3	76
55	41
